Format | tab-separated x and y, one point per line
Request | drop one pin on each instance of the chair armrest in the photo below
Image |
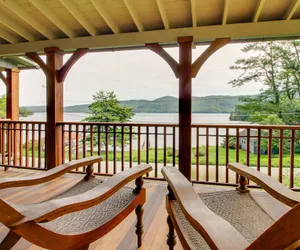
271	185
49	174
53	209
217	232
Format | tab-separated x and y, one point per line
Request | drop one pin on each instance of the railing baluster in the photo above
99	146
258	148
84	142
33	145
197	153
147	147
3	143
92	140
21	144
70	142
77	143
15	140
237	151
248	147
292	158
280	156
122	147
106	149
217	155
63	139
174	146
155	151
139	144
270	152
115	151
26	143
130	146
165	146
9	143
39	145
207	155
227	156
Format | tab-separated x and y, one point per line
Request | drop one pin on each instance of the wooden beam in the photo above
12	94
225	12
79	16
3	78
8	36
258	9
163	13
246	32
194	13
28	18
155	47
185	105
14	26
215	46
106	16
42	7
62	73
291	10
134	15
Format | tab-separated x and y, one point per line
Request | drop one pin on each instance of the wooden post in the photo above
12	109
185	105
12	94
55	108
185	70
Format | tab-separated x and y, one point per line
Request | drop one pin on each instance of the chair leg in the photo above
9	241
139	225
171	241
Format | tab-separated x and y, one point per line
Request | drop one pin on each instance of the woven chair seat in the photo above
91	218
240	210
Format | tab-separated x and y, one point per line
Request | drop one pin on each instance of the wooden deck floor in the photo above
123	236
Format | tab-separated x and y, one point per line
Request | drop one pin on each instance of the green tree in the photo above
106	108
3	106
277	66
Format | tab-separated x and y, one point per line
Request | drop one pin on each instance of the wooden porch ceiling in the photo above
32	25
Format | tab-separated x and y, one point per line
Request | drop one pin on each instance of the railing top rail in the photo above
22	122
121	124
251	126
161	124
195	125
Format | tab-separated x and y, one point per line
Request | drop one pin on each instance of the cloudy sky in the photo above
135	75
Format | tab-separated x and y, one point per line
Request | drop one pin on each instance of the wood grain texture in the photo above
50	210
122	237
271	185
209	225
48	175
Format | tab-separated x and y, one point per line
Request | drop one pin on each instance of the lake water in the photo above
147	118
162	118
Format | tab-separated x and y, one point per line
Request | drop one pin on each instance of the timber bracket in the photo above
62	73
214	47
3	78
198	63
158	49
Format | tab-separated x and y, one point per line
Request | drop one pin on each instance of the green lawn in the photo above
202	157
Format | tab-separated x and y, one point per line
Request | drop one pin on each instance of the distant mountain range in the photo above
165	104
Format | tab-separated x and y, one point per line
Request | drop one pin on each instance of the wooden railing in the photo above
274	150
22	144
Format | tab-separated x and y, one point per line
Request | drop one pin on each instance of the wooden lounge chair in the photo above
232	219
78	216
